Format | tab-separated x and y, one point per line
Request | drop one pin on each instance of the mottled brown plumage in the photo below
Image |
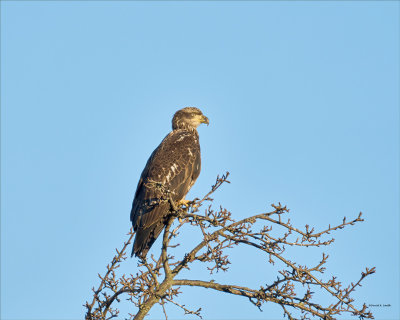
175	164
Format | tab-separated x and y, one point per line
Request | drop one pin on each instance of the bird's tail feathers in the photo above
144	239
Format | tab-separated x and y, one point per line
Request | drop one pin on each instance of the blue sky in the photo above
303	102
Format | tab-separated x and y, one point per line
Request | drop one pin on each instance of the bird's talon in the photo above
188	203
185	203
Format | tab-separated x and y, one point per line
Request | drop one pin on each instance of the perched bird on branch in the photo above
172	167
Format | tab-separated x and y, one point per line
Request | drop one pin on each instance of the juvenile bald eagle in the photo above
175	164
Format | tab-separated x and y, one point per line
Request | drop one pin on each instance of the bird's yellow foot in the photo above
184	202
188	203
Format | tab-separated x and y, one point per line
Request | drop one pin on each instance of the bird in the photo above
175	165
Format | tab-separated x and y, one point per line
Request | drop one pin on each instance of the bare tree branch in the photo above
155	283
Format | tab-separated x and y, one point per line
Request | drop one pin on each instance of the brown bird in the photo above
175	165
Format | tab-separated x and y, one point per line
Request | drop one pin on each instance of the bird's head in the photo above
188	118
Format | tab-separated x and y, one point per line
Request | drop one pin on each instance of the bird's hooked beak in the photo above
205	120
